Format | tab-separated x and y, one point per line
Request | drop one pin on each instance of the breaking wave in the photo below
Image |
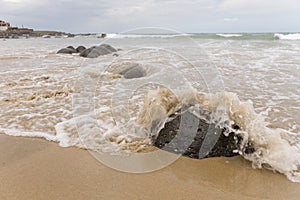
291	36
120	36
229	35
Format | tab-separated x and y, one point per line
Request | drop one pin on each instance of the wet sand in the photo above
32	168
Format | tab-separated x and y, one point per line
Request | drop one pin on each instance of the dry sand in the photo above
36	169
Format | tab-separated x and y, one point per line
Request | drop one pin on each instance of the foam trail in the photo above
18	133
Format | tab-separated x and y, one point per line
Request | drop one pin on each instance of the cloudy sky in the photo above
81	16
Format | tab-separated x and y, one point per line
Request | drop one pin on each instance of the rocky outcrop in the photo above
190	136
27	33
92	52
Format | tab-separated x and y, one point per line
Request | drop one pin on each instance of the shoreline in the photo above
33	168
30	33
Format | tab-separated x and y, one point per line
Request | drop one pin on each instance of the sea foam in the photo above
291	36
229	35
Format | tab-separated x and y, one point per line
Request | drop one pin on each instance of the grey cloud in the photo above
185	16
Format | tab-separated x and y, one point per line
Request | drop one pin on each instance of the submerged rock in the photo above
129	70
190	136
134	72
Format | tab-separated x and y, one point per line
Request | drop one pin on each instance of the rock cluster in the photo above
92	52
71	49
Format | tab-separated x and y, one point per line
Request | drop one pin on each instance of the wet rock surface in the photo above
190	136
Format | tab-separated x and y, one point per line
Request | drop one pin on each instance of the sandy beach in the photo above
121	100
32	168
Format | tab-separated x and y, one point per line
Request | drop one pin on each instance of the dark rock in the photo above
97	51
80	49
67	51
71	47
190	136
115	54
86	52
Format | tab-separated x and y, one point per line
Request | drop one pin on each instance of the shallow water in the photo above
60	96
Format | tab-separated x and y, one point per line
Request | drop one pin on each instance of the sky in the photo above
185	16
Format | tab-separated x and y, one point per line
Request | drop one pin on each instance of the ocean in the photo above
248	79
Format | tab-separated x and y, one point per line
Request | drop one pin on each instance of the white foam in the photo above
229	35
291	36
277	149
119	36
19	133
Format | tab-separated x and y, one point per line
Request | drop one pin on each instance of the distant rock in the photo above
71	47
67	50
96	51
92	52
108	47
186	134
86	52
80	49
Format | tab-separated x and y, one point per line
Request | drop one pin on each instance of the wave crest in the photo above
291	36
229	35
